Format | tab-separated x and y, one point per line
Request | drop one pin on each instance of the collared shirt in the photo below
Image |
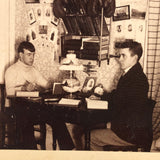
126	70
17	75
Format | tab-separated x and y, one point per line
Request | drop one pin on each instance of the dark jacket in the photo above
128	105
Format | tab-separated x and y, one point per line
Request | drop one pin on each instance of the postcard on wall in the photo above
121	13
32	1
31	16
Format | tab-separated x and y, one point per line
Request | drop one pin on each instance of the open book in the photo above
96	104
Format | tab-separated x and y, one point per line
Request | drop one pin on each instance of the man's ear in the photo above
136	57
20	55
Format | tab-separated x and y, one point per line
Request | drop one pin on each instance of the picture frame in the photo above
89	84
31	17
122	13
47	1
137	14
54	20
32	1
43	29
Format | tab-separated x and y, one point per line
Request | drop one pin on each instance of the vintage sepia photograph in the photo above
31	16
70	91
32	1
121	13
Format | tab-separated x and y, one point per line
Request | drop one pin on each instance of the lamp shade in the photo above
71	63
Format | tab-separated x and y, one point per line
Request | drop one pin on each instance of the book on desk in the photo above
69	102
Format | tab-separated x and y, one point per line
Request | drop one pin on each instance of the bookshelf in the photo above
87	28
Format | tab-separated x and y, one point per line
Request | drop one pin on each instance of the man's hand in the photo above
29	87
99	90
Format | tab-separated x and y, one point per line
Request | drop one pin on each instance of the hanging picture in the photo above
54	20
137	14
121	13
119	28
39	13
47	12
43	29
47	1
32	1
31	16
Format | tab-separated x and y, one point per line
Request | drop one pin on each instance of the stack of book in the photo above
85	25
90	48
72	44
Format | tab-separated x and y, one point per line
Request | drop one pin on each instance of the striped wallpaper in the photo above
153	60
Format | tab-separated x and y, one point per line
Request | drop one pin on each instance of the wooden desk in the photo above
40	111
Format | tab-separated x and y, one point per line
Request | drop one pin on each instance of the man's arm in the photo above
10	82
42	82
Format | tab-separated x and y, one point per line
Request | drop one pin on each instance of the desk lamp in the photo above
71	64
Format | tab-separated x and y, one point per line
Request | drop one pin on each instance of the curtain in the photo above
153	61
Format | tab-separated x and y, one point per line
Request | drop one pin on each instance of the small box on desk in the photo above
27	94
96	104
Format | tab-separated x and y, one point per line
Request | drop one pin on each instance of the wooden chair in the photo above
40	135
6	119
137	148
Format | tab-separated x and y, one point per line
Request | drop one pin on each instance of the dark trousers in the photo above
28	116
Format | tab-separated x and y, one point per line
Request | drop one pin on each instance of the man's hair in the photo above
134	47
26	45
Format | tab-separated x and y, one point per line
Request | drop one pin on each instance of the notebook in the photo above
57	89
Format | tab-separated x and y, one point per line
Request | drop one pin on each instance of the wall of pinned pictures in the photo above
129	22
41	28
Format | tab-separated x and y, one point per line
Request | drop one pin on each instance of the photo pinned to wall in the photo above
130	28
53	35
39	12
48	12
46	1
119	28
121	13
31	16
31	34
32	1
43	29
137	14
28	38
140	28
54	20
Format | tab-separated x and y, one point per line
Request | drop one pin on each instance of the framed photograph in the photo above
137	14
54	20
43	29
32	1
47	1
31	16
121	13
89	84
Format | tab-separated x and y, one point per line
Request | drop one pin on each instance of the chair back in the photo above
2	97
